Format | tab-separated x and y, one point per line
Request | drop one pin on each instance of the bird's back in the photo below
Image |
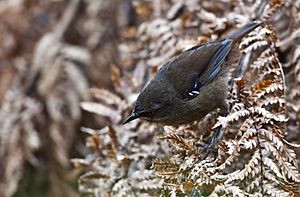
200	65
195	65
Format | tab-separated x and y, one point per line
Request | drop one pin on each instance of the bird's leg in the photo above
211	148
212	145
224	109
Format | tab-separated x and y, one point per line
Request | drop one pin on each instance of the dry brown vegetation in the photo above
54	53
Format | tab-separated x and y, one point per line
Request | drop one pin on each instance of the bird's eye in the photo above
138	109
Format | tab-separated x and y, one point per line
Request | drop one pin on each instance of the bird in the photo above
190	85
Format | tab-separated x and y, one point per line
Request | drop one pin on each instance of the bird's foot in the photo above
211	148
209	151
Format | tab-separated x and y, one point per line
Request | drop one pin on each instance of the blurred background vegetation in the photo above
51	52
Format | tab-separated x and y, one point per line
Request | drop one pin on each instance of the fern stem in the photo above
261	162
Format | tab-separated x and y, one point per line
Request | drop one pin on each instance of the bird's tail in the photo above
237	35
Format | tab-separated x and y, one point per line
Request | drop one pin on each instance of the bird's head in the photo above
151	103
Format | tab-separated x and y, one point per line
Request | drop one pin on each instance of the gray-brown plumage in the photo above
190	85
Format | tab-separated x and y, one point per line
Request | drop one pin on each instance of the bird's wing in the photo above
212	70
196	66
214	67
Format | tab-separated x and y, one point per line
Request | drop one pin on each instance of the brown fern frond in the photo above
165	168
179	143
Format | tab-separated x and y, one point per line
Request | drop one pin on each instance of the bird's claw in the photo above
211	148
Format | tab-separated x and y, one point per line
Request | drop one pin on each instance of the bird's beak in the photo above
133	116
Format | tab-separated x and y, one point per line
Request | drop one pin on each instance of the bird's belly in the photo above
211	97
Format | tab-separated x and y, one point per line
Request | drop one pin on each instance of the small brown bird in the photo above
190	85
